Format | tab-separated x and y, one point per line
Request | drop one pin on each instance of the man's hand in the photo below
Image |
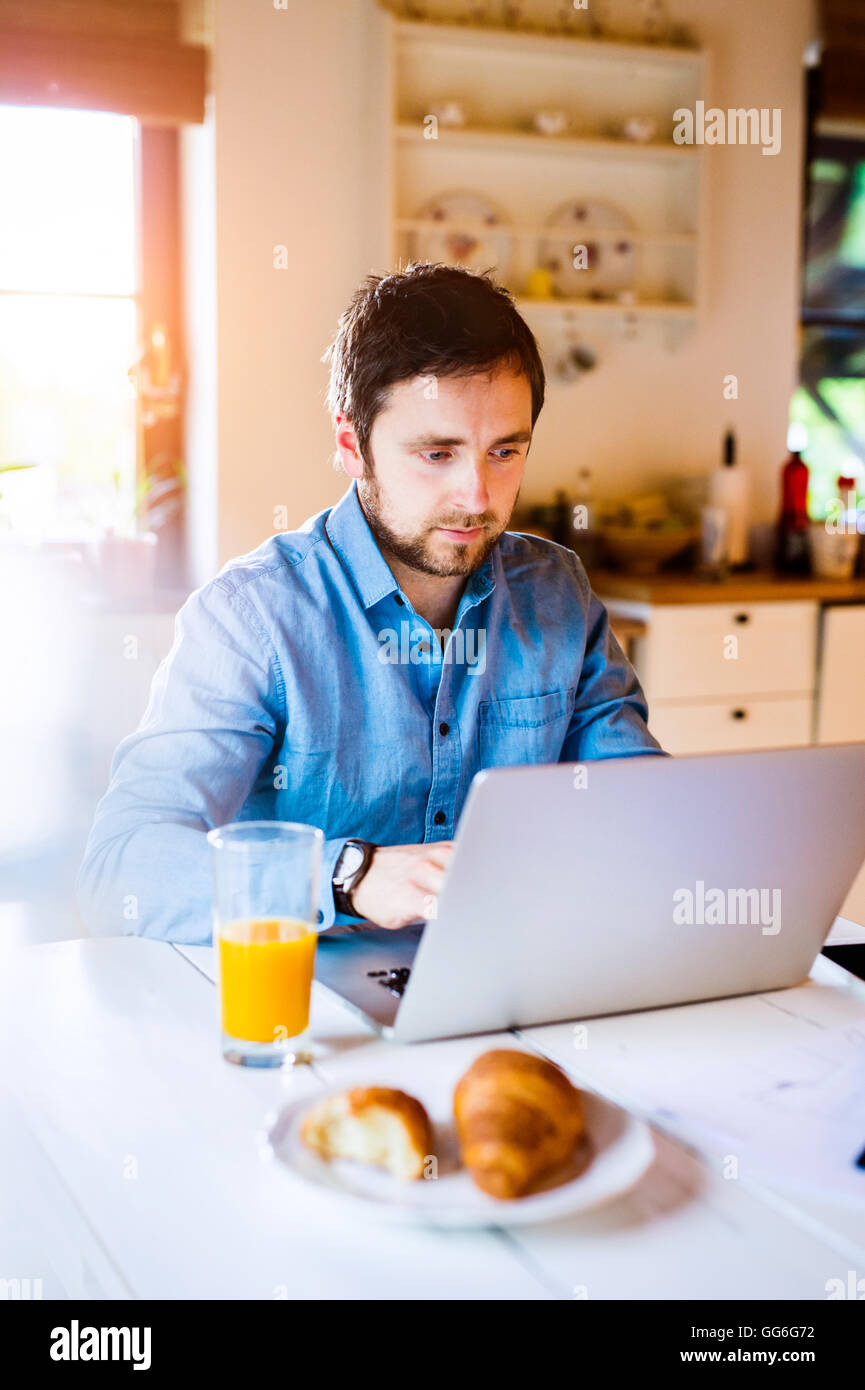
402	883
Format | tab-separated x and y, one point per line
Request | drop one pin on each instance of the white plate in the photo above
473	233
612	262
616	1153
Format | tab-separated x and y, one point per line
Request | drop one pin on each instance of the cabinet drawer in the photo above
719	649
729	726
841	715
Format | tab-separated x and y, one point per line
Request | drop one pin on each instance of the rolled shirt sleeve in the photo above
215	715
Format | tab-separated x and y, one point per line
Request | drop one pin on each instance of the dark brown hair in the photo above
426	320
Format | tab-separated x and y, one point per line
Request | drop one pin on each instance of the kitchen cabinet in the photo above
730	726
711	651
727	677
752	662
841	704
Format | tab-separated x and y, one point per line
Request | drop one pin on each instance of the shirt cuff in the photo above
327	913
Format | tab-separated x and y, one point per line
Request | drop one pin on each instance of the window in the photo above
830	399
69	321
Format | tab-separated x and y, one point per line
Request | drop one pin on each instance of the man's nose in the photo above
472	492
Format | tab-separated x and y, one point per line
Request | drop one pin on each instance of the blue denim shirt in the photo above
303	686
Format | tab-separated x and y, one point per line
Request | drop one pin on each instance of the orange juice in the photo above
265	968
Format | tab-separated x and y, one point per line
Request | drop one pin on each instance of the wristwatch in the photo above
351	867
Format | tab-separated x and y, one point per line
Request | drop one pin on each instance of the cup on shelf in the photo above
834	552
641	130
539	283
551	121
450	113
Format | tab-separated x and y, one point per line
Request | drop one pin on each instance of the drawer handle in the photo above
738	714
743	617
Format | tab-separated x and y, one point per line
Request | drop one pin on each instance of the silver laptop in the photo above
602	887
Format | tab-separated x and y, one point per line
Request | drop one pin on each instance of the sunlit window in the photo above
68	321
830	399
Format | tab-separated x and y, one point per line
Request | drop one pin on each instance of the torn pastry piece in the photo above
371	1124
518	1118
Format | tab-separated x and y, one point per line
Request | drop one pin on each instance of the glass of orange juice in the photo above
265	880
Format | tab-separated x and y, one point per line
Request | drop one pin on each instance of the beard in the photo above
418	551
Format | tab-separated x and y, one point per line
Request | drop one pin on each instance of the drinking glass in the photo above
265	880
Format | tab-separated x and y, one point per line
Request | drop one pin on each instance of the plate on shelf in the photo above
464	12
471	232
637	21
616	1152
611	262
563	17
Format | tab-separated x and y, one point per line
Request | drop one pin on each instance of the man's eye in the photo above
506	453
436	455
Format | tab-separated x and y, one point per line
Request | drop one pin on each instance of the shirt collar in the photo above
483	581
354	543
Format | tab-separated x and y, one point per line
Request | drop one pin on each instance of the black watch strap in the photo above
350	869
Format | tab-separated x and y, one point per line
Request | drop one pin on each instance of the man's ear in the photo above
347	450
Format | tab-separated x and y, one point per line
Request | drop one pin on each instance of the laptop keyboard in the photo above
394	981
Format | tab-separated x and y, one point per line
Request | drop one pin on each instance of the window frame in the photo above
157	299
160	282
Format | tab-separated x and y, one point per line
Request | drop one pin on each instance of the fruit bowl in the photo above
643	550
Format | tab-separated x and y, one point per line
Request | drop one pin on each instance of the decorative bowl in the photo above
643	550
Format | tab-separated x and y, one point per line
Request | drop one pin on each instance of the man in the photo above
357	673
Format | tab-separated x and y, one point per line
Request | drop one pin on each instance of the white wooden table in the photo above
130	1168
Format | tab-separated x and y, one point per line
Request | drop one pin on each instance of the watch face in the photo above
350	861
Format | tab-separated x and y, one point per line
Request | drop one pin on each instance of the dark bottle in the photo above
561	527
792	550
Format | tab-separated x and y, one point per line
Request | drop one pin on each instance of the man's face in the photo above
447	460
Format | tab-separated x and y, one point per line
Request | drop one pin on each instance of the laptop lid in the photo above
578	890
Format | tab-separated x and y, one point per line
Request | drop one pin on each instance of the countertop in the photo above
756	587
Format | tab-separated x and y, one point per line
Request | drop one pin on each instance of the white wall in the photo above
300	161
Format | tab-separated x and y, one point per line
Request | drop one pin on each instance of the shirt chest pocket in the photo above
525	729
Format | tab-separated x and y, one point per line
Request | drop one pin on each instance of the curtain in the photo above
127	56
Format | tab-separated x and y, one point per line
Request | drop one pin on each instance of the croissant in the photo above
517	1118
372	1124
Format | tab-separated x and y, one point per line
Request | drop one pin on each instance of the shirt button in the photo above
399	600
320	916
439	817
444	729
